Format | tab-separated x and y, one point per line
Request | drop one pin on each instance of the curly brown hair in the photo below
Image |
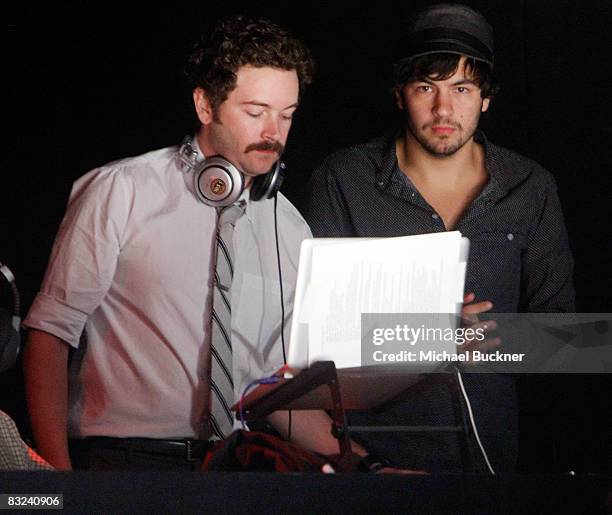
239	41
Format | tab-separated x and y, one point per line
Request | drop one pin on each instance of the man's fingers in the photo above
484	346
469	297
485	326
478	307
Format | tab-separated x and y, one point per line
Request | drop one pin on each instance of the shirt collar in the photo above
503	176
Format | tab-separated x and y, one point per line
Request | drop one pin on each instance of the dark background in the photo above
85	85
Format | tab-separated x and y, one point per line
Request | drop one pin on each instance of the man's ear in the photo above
202	106
485	104
398	100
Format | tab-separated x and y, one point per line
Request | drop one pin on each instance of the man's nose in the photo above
271	129
443	105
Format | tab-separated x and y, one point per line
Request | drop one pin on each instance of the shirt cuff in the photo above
52	316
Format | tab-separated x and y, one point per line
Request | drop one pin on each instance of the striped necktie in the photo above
221	382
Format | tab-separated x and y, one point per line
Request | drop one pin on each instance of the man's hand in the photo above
469	316
471	308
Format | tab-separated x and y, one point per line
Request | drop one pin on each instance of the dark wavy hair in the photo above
441	66
239	41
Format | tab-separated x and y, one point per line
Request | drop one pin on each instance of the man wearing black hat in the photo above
440	173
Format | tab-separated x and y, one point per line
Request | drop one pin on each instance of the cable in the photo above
280	281
473	422
263	380
282	301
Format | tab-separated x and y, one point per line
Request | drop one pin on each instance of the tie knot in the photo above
230	214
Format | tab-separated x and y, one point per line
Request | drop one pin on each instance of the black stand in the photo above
323	387
461	427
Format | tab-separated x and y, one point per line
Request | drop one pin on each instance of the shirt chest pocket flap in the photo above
498	250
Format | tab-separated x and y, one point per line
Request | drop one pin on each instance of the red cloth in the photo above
252	450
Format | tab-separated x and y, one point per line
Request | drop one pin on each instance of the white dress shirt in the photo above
128	286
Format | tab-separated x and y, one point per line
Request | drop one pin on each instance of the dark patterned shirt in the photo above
519	253
519	259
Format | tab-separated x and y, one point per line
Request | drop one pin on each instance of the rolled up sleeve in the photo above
84	255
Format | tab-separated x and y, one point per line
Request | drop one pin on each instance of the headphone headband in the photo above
187	154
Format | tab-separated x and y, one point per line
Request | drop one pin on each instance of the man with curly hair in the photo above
130	281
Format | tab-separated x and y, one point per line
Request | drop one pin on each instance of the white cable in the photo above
469	407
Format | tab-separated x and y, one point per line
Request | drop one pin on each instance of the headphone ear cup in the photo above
9	340
217	182
266	186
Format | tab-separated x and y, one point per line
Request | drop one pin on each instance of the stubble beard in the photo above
441	146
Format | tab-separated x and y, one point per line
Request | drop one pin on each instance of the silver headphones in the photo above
218	183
